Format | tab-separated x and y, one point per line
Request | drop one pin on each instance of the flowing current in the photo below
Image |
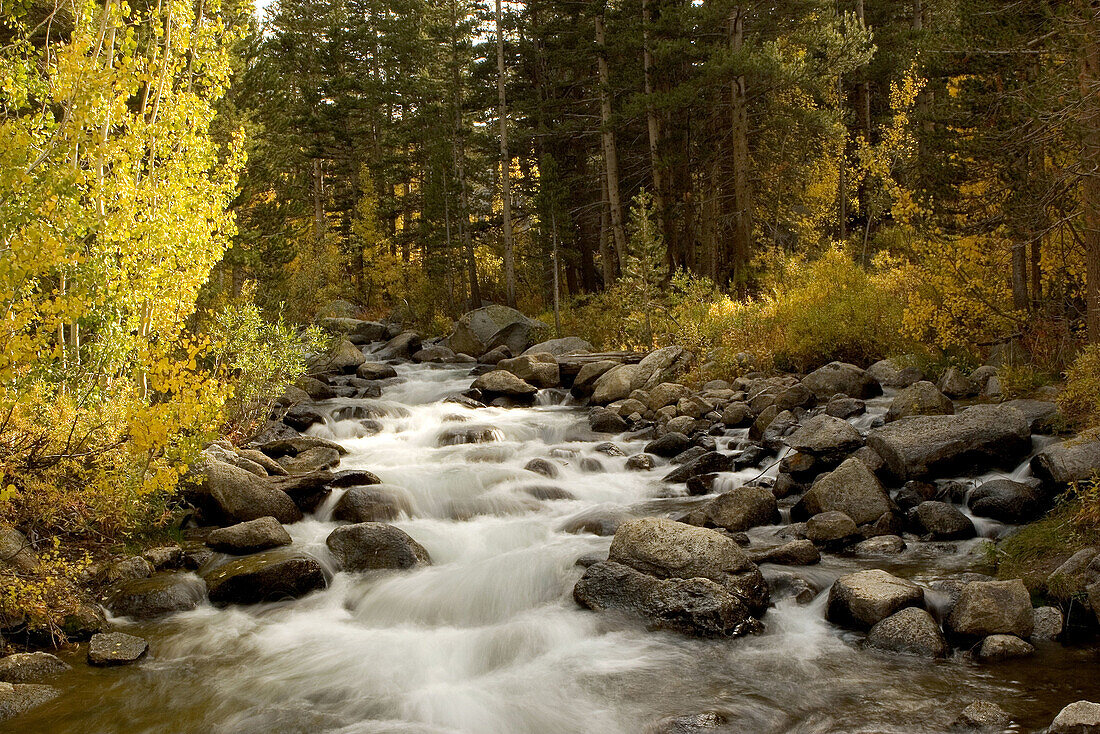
488	640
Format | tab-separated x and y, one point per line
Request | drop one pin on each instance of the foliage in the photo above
1080	399
644	269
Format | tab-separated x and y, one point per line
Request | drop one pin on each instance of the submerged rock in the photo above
116	648
28	667
19	698
982	716
157	596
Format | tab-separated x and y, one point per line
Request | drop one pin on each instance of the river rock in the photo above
851	488
434	354
269	576
657	367
1047	624
28	667
737	415
707	462
742	508
402	346
640	462
982	716
941	521
980	436
249	537
236	495
911	630
301	417
844	378
695	606
116	648
826	438
669	549
602	420
564	345
376	503
954	384
585	381
466	434
342	357
1062	464
793	553
22	697
16	551
883	545
476	331
157	596
374	545
1008	501
375	371
601	521
842	406
501	383
920	398
831	529
1003	647
311	460
890	374
297	444
990	608
861	600
666	393
1082	717
542	466
128	569
540	369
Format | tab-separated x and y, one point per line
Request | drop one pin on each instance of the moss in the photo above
1038	549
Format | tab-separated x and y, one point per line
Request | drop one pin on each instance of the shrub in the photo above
1080	400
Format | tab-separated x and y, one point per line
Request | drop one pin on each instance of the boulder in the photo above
495	355
22	697
1082	717
311	460
402	346
920	398
982	716
482	329
844	378
540	369
911	630
792	553
564	345
842	406
941	521
1043	415
666	393
434	354
115	648
375	503
1062	464
264	577
602	420
831	529
156	596
1008	501
374	545
270	466
669	549
585	381
343	357
694	606
375	371
851	488
306	490
640	462
542	466
709	461
890	374
296	445
978	437
737	415
657	367
1047	624
991	608
1003	647
601	521
742	508
236	495
460	435
615	384
882	545
300	417
249	537
501	383
16	551
826	438
862	599
28	667
954	384
353	478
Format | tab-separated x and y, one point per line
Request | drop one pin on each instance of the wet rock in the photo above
375	371
235	495
295	445
22	697
249	537
589	465
737	415
313	388
990	608
269	465
609	448
374	545
482	329
564	345
343	357
861	600
602	521
1062	464
156	596
540	370
269	576
542	466
116	648
695	606
375	503
311	460
548	493
890	374
354	478
300	417
1003	647
709	461
911	630
585	381
851	488
1047	623
786	585
1043	415
842	406
628	407
307	491
640	462
982	716
980	436
742	508
402	346
465	434
941	521
500	383
883	545
1082	717
841	377
831	529
28	667
128	569
602	420
666	393
954	384
920	398
1008	501
669	549
435	354
793	553
913	493
826	438
782	426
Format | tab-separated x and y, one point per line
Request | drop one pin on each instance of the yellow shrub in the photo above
1080	400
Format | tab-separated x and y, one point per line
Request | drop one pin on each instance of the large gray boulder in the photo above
862	599
669	549
585	381
844	378
890	374
234	495
249	537
373	545
912	630
402	346
851	488
269	576
539	369
1082	717
375	503
501	383
478	331
661	365
694	606
978	437
156	596
992	608
342	357
1075	460
826	438
1043	415
920	398
742	508
564	345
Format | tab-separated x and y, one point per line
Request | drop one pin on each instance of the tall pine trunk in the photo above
739	131
610	152
505	169
1090	153
652	124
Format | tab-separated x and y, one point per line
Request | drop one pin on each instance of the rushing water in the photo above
488	639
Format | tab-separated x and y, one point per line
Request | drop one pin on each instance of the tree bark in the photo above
610	152
1090	153
505	168
742	194
652	123
607	262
